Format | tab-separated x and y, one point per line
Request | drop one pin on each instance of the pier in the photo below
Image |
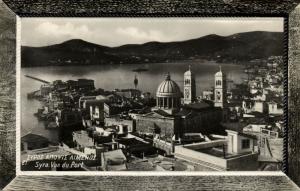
38	79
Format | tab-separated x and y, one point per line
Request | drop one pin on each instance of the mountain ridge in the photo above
235	48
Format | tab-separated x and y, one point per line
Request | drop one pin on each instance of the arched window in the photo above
187	81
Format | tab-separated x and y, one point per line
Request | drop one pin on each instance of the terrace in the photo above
213	155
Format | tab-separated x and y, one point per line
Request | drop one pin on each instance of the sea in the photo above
110	77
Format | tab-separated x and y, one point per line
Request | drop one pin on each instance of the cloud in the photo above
139	35
120	31
66	30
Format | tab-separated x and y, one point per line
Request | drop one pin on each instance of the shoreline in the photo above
241	63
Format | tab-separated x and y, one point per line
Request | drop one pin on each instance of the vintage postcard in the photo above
150	94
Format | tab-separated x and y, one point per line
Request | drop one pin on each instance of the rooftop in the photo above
95	101
162	112
33	138
197	106
157	113
234	126
142	165
115	157
129	141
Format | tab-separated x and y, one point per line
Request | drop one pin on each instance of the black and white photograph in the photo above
151	94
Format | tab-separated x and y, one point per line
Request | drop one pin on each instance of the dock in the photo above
38	79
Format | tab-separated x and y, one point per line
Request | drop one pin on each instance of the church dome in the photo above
168	88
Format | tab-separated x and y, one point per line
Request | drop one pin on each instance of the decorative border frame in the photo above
168	8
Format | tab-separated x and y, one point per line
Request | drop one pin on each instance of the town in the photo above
224	129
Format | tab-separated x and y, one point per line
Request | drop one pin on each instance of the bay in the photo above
110	77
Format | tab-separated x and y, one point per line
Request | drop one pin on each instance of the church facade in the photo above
170	119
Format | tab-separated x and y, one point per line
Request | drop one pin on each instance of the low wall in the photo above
204	145
247	162
244	162
161	144
200	158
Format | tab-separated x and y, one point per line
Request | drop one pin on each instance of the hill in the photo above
235	48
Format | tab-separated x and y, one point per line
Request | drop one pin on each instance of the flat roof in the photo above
197	106
218	152
130	141
115	156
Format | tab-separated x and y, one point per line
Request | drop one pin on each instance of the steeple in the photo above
220	89
189	87
135	81
219	73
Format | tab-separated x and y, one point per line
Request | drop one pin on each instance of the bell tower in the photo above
189	87
220	89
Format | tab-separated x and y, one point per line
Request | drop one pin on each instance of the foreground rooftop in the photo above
274	181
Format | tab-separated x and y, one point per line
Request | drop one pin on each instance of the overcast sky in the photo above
119	31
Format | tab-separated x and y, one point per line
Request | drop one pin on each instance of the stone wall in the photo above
166	126
201	122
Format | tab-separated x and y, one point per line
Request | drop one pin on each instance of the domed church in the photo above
169	120
168	96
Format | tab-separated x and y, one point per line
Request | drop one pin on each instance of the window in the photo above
218	83
187	81
218	96
245	144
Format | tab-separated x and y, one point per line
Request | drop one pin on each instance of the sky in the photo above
119	31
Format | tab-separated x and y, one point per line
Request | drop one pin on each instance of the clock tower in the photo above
220	89
189	87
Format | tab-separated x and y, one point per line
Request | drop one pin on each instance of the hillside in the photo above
234	48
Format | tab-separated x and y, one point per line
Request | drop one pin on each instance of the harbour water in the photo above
110	77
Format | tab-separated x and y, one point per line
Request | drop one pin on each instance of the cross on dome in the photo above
168	77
